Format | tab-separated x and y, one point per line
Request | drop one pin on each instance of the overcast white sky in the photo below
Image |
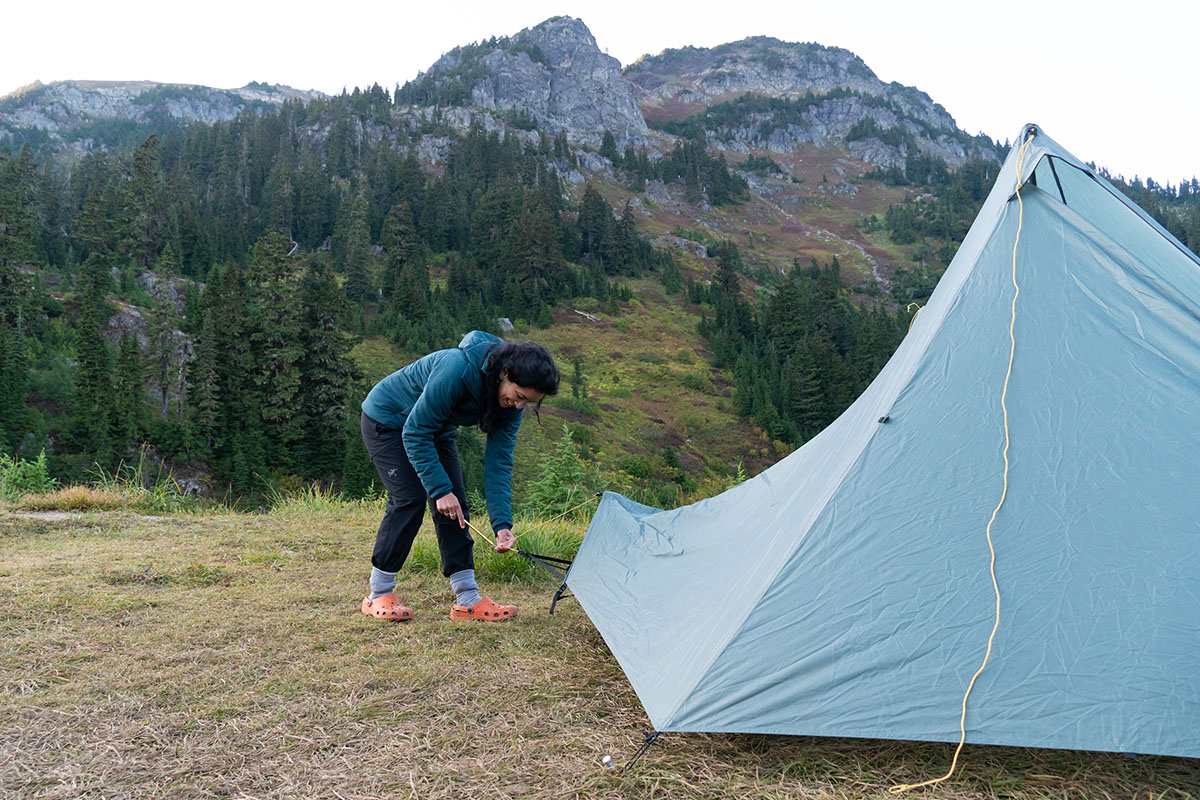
1114	82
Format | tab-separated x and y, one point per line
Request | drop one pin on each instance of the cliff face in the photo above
831	96
759	65
73	114
553	73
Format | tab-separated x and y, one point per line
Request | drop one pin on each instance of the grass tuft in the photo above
77	498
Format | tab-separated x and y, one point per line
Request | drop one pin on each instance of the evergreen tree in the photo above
204	380
164	331
398	236
326	372
595	220
276	346
142	207
672	280
17	232
358	251
608	149
93	401
534	257
129	407
279	192
435	217
14	384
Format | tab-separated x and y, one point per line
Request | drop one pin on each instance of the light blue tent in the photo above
845	591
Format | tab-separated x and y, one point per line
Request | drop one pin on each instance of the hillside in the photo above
720	245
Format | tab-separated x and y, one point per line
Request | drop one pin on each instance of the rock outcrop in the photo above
74	113
833	96
553	73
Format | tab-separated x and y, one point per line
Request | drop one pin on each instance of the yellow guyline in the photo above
552	519
962	722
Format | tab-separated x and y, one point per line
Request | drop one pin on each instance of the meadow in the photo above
199	653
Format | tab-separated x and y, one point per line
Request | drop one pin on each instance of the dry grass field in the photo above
214	655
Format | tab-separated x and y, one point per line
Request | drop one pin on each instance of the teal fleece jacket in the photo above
430	398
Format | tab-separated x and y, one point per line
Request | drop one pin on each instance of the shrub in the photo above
636	466
685	356
20	477
699	382
563	483
580	405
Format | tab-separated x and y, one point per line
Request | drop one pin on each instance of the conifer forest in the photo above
198	290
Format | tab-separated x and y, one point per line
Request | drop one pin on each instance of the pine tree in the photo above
164	331
326	373
672	280
435	217
608	149
534	256
203	378
93	401
14	384
578	380
358	251
129	406
142	207
563	482
404	249
621	246
17	232
276	346
279	192
595	220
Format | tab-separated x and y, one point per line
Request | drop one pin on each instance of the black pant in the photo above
407	500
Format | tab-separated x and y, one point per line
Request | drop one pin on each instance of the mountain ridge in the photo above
75	116
554	76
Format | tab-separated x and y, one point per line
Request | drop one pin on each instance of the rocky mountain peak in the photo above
759	65
553	73
827	93
565	32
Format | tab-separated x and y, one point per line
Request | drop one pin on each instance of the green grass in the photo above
223	655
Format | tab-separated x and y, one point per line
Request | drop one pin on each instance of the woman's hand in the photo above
504	540
449	506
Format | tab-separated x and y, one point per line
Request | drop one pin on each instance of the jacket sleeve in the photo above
497	472
430	416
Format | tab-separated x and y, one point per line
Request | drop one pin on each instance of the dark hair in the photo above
528	365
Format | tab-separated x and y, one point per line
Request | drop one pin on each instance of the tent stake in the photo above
651	738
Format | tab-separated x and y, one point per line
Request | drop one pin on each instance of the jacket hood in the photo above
478	345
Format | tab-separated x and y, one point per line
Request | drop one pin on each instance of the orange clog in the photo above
386	606
484	611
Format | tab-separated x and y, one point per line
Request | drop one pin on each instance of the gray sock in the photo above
381	582
466	591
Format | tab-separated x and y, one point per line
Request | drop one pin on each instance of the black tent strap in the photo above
651	738
555	566
558	596
546	563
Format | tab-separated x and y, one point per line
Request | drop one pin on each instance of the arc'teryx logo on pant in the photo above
392	472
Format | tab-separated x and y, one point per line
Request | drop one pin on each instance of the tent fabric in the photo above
845	590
